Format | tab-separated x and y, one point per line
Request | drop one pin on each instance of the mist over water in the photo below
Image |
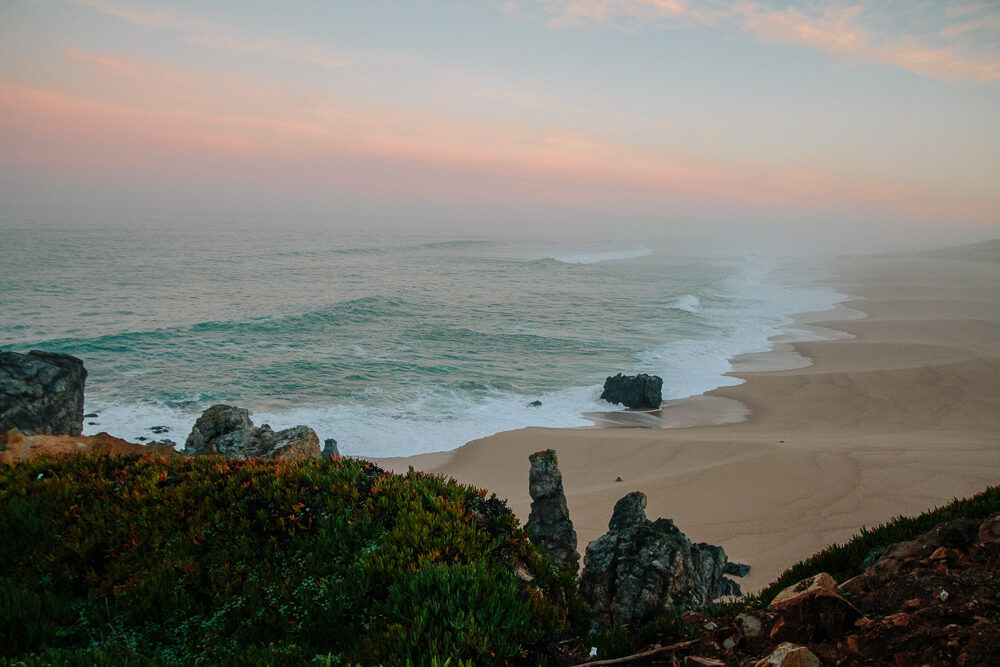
392	343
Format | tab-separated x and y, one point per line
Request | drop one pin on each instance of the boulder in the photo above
989	530
296	443
330	448
640	566
549	526
225	430
751	623
41	393
218	420
634	391
737	569
790	655
812	610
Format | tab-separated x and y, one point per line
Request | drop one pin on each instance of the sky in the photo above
855	124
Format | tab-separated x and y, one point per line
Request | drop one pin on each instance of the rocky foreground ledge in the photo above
934	600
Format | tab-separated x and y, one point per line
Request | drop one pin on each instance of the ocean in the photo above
392	342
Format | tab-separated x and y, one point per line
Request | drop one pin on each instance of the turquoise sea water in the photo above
393	343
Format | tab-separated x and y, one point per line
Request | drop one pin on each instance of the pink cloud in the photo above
212	35
840	30
155	19
141	116
834	32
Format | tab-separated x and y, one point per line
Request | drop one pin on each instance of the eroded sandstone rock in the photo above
812	610
14	446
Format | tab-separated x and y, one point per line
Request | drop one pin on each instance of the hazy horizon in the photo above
806	127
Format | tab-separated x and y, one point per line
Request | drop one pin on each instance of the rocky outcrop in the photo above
217	421
948	535
549	525
928	601
41	393
812	610
225	430
634	391
640	566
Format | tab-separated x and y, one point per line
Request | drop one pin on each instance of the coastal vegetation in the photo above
147	560
138	559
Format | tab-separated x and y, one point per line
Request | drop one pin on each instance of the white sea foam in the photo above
759	311
434	422
687	302
133	421
587	257
754	310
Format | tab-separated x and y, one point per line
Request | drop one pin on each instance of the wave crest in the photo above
578	257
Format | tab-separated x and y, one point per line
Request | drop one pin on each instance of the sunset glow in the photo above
671	111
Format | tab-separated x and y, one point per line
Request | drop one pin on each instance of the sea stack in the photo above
634	391
549	525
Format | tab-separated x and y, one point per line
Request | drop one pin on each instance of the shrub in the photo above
262	562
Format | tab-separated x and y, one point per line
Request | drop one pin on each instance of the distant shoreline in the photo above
899	410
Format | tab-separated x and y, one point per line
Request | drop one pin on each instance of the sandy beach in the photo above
897	412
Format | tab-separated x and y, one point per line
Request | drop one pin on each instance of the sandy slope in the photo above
901	416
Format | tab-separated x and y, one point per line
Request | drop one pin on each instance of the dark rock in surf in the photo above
41	393
634	391
549	526
639	566
225	430
535	404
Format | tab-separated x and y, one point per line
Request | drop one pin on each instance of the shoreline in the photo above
898	411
